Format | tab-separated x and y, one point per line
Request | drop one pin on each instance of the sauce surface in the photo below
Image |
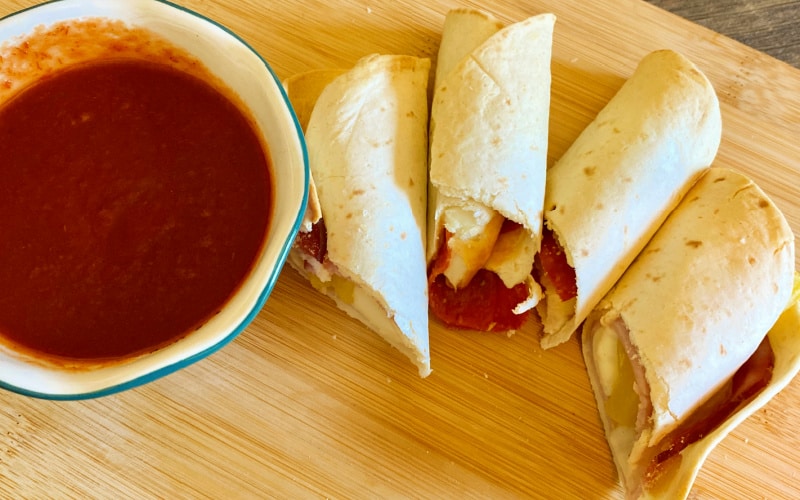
133	203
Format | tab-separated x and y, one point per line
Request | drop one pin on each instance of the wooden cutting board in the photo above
308	403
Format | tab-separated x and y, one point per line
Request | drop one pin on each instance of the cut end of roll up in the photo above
628	169
678	351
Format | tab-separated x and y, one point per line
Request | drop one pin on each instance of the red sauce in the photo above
135	199
485	304
554	263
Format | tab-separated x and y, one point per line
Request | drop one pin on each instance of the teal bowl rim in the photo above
273	278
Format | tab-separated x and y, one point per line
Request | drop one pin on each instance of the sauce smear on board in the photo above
134	201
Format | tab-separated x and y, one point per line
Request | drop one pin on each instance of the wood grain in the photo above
307	403
767	25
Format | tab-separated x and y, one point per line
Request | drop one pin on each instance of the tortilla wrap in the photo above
689	312
464	31
367	148
489	134
615	185
303	91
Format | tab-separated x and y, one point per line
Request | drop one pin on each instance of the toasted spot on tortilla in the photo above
599	206
722	350
410	182
616	130
411	114
585	252
589	171
762	203
751	260
496	141
655	278
403	235
349	215
719	179
356	192
694	243
627	179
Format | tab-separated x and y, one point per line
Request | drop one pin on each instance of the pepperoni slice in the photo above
554	264
314	242
748	381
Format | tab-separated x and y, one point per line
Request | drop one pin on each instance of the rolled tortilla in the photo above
615	185
367	148
676	351
489	133
303	90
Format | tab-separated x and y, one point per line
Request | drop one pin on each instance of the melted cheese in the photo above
512	256
615	374
553	311
473	229
338	286
475	243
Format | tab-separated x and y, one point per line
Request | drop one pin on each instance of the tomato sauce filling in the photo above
485	304
135	200
554	264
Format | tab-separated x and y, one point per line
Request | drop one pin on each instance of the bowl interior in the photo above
248	75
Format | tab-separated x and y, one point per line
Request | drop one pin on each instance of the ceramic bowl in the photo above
244	71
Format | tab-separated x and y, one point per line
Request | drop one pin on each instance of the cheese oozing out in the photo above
473	230
476	242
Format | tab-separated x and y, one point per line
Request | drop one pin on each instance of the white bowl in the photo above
246	73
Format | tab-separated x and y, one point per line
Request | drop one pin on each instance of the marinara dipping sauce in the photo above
135	199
